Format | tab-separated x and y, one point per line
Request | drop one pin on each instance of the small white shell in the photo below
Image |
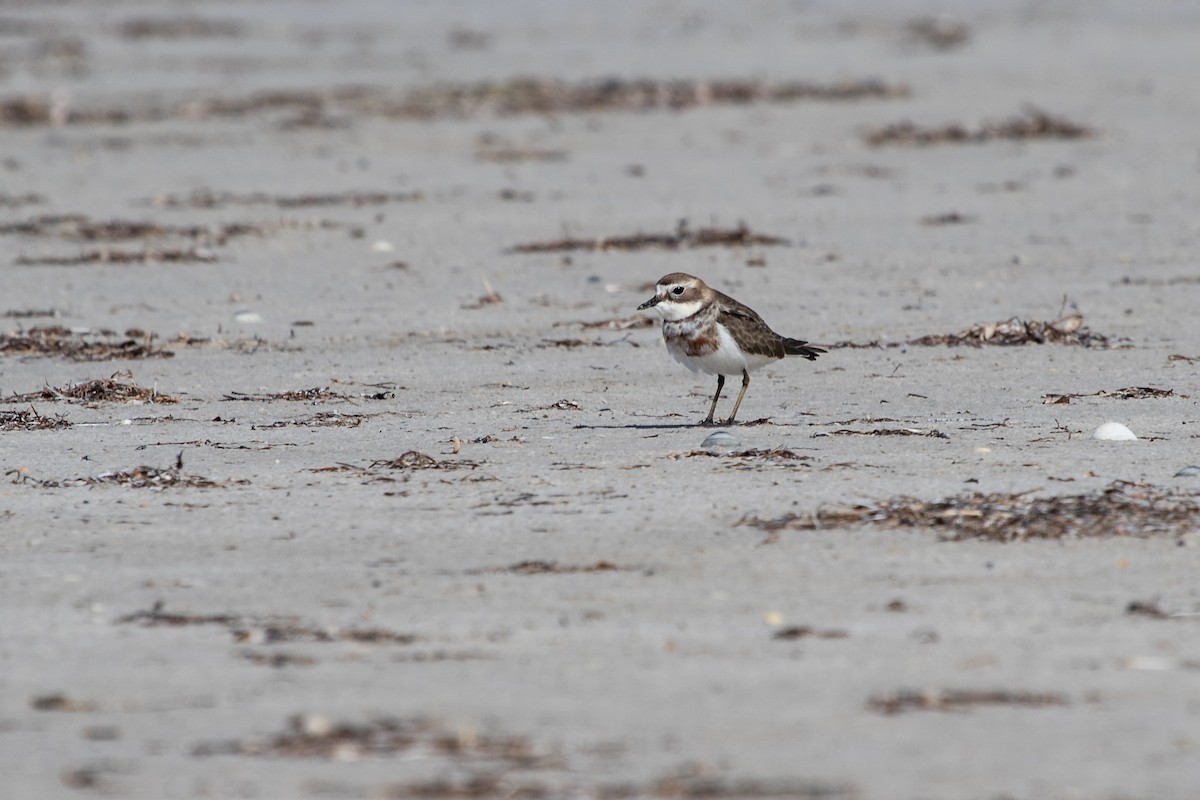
1114	432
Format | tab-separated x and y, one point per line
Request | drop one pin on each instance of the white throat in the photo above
672	310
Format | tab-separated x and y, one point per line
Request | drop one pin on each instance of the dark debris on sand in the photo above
108	255
313	395
315	737
102	345
205	198
1128	393
30	420
540	567
265	630
511	97
409	461
1121	509
793	632
1067	330
776	455
682	237
1031	124
930	433
99	390
960	700
77	227
141	477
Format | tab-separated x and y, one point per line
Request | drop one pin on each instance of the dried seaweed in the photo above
1121	509
696	782
540	96
682	237
1031	124
61	702
142	477
1128	393
1065	330
570	344
271	630
1146	608
960	700
203	198
773	455
951	218
938	33
156	617
933	434
1068	330
30	420
518	155
276	632
328	419
539	567
77	227
806	632
448	100
624	324
1177	280
412	460
313	736
103	345
562	405
99	390
191	255
313	395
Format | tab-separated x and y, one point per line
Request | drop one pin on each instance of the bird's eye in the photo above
677	290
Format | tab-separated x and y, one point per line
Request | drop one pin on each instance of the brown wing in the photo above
755	335
749	329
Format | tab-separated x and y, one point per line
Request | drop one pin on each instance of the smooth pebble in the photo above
720	439
1189	471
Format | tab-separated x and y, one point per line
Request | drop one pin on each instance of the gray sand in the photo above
649	663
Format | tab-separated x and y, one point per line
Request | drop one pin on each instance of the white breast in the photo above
727	359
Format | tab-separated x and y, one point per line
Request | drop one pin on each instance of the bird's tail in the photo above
795	347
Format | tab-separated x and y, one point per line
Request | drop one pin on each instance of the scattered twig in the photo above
1122	509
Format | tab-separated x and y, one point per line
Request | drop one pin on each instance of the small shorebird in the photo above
708	331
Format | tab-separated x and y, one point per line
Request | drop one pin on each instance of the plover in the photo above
708	331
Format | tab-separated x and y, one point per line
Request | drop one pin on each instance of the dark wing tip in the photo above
795	347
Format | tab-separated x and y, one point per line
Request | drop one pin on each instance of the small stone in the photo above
1189	471
720	439
247	317
1114	432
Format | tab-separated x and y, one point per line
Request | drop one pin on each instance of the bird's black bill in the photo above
653	301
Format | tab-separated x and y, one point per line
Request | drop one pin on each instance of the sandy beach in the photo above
338	462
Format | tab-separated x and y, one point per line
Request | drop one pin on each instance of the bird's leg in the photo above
713	408
745	383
